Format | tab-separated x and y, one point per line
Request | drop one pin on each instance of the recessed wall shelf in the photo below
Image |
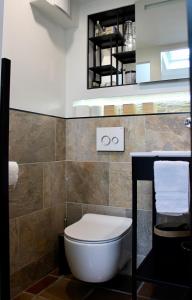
106	70
108	42
58	11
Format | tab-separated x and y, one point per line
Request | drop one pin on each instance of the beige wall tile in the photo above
36	236
94	180
14	245
82	147
144	195
54	184
142	133
81	138
58	215
167	133
32	137
60	139
39	233
120	185
27	196
74	213
106	210
134	138
88	182
31	273
37	141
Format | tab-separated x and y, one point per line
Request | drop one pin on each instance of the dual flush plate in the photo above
110	139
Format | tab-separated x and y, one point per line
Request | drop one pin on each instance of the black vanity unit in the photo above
151	270
114	42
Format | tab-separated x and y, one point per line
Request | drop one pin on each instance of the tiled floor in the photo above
55	287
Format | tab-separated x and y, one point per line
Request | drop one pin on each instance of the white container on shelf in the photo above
130	77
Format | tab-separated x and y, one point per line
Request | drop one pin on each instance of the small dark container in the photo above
187	255
62	260
168	238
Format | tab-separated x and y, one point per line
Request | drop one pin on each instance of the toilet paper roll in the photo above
13	173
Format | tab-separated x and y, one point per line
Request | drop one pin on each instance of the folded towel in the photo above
172	187
172	203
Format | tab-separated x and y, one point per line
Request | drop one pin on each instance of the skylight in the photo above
176	59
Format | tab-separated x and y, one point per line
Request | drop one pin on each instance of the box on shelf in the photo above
109	110
149	107
129	109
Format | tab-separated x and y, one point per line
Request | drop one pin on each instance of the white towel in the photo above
13	173
172	187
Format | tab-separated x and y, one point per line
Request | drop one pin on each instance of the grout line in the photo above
50	285
97	117
32	285
102	205
145	133
41	162
81	210
43	194
66	215
109	185
55	140
88	294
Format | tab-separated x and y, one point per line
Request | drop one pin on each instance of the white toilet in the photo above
95	246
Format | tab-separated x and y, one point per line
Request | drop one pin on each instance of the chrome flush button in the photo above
115	140
105	140
187	122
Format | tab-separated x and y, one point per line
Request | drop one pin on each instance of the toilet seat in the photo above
97	229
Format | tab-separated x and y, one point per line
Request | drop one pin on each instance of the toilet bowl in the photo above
95	246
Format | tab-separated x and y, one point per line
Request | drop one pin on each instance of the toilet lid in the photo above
97	228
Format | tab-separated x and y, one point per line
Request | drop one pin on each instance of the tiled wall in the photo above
37	203
59	164
100	182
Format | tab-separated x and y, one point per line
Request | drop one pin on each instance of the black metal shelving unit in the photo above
114	42
4	191
142	169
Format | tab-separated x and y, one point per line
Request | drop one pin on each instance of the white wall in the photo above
1	30
76	62
49	64
36	47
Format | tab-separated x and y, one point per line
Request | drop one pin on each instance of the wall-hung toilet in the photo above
95	246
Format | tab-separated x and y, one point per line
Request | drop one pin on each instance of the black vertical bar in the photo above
88	20
189	14
4	191
94	54
100	62
94	60
111	51
123	32
154	213
117	62
134	232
